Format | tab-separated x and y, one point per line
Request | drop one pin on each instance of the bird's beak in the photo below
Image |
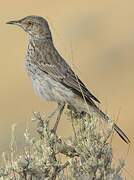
14	22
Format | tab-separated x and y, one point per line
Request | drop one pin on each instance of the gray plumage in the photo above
52	78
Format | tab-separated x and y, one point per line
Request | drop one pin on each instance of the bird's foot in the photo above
75	114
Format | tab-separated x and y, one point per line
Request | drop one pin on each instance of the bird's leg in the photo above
61	108
53	113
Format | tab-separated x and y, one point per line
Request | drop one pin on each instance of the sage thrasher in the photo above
52	78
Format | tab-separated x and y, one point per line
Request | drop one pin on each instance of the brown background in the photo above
101	36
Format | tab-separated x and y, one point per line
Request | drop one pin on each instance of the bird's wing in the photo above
60	71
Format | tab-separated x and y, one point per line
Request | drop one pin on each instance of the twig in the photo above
57	170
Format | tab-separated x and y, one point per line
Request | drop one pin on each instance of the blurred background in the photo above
97	40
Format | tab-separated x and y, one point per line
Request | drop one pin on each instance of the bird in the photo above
52	77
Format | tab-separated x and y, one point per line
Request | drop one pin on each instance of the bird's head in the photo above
36	26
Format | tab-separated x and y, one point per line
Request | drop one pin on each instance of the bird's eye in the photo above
30	23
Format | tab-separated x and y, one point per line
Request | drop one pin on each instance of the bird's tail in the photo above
121	134
116	128
92	108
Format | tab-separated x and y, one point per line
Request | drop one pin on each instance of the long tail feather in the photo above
121	134
116	128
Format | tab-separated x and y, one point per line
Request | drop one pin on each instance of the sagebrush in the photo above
86	155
